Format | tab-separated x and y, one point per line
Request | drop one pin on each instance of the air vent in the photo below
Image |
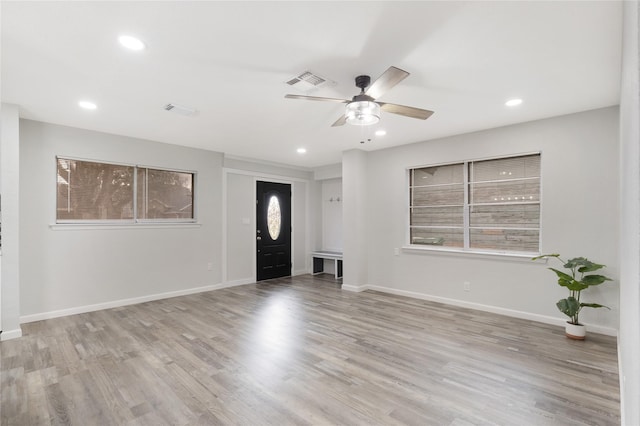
182	110
308	82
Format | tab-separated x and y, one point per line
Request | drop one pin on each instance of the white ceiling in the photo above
229	60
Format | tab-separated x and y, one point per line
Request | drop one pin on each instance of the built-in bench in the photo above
320	256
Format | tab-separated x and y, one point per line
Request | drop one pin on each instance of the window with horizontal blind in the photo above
487	205
96	192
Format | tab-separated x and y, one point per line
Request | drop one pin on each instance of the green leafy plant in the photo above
576	281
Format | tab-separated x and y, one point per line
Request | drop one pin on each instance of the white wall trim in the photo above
355	288
10	334
127	226
223	252
268	163
259	176
124	302
115	304
486	308
235	283
262	176
494	255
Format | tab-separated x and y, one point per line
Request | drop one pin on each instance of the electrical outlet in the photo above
466	286
209	266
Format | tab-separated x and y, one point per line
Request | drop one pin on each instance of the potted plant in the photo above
575	281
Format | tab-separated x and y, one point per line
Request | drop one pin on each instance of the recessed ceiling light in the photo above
513	102
87	105
301	150
381	132
131	42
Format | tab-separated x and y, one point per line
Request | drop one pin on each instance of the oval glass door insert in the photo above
274	217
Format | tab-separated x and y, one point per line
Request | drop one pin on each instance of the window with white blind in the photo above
487	205
95	192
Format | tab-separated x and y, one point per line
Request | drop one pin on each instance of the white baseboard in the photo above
236	283
10	334
118	303
486	308
355	288
300	272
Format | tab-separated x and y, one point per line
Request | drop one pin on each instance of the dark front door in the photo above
273	230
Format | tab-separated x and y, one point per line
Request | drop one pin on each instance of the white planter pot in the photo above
575	331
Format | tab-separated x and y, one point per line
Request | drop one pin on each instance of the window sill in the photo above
104	226
441	251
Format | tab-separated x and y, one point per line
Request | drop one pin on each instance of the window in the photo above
164	194
90	191
488	205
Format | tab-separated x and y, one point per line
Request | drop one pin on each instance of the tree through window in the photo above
90	191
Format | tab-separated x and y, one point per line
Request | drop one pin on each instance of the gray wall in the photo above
65	269
579	218
239	234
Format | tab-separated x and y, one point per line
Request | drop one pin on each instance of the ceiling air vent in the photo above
308	82
179	109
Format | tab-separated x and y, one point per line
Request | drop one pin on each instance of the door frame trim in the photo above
267	178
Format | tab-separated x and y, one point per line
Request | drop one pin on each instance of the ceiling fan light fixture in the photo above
362	113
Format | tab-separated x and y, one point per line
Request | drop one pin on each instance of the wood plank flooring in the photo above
302	351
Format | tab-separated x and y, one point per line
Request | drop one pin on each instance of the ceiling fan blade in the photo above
407	111
317	98
386	81
340	121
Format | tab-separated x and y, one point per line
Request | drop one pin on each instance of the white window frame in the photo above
135	220
466	212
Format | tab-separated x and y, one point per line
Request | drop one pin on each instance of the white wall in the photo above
10	184
332	200
629	338
332	171
70	270
355	220
579	218
301	228
326	215
266	169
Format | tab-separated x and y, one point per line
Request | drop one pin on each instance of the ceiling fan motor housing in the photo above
362	98
363	81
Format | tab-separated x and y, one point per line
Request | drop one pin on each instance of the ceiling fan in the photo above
363	109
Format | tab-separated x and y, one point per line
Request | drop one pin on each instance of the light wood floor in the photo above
302	351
